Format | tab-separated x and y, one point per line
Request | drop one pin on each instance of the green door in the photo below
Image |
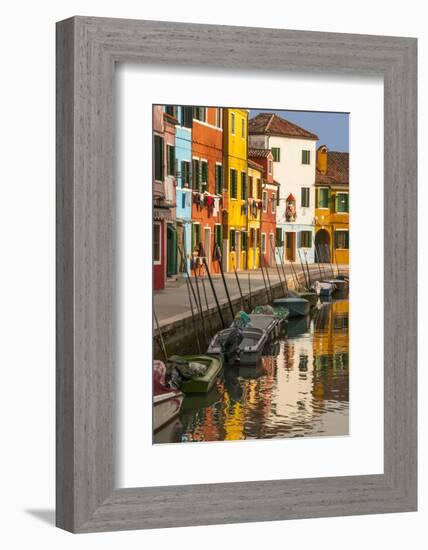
171	250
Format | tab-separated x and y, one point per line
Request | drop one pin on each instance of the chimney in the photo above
322	159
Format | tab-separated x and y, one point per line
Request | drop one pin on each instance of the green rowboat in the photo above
201	384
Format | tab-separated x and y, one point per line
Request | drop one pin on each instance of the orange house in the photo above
269	199
207	184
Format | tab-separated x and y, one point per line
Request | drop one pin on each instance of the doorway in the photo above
322	246
290	246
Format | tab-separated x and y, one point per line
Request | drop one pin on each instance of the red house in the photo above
163	190
270	191
207	184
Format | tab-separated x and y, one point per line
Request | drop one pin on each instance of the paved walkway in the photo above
172	303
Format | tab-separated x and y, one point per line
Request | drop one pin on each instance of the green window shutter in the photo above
278	236
194	174
243	185
199	175
233	184
158	143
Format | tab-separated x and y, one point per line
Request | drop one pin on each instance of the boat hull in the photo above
166	406
201	384
297	307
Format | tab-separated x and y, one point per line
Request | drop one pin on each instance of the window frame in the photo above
307	191
306	155
161	160
308	233
276	154
264	201
159	225
232	124
328	198
336	202
233	184
345	232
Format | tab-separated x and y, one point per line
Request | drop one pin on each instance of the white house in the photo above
294	154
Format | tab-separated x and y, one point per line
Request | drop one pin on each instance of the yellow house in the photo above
255	172
235	219
332	206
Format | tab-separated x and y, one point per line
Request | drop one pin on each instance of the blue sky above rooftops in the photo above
331	128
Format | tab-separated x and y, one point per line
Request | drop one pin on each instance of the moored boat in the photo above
297	307
324	288
205	377
166	401
250	342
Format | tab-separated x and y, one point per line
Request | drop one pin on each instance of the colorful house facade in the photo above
332	206
163	189
293	167
235	216
255	174
207	184
269	203
183	166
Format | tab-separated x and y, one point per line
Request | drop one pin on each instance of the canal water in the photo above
299	388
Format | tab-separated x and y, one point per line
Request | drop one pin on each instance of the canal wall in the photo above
179	332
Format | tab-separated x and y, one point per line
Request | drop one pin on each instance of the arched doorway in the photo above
322	246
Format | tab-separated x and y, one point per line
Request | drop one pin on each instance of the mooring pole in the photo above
201	315
214	294
307	269
303	271
195	329
283	270
263	275
161	340
240	290
270	286
250	300
218	254
329	259
206	303
277	266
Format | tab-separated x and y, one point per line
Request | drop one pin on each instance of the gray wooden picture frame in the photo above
87	50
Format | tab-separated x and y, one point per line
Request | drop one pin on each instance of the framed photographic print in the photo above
236	274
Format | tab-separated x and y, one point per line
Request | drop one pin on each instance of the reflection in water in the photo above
301	388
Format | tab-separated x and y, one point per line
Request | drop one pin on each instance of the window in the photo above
185	173
218	234
251	186
279	236
264	243
273	203
204	168
171	160
232	241
276	153
196	175
270	166
158	158
187	116
244	191
218	118
341	239
305	196
232	123
243	128
171	110
323	197
200	113
157	243
218	179
306	157
233	184
196	235
264	201
342	202
244	240
259	188
306	239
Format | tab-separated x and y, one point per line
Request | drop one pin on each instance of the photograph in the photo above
250	274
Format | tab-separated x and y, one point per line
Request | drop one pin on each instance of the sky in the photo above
331	128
